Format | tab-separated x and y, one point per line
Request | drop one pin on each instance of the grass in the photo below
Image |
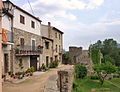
87	85
116	81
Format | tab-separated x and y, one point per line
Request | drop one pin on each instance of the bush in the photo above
43	67
80	71
53	64
94	77
30	71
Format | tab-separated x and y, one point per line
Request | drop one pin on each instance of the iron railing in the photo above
28	50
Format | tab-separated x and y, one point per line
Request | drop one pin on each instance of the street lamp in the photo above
7	7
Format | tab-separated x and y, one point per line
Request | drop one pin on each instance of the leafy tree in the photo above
80	71
95	55
108	48
103	70
66	58
118	71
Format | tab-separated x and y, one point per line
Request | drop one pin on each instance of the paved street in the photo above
36	83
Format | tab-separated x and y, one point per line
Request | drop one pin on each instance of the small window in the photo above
51	59
56	48
47	45
22	19
33	44
47	61
55	34
22	42
59	36
32	24
59	48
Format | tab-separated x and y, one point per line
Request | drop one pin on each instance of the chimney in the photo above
49	29
49	24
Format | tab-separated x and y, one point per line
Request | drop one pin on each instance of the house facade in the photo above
23	47
29	43
52	44
27	40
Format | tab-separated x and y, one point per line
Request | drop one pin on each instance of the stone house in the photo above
52	43
29	43
79	56
25	36
27	40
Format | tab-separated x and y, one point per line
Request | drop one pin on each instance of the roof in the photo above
24	11
54	28
47	38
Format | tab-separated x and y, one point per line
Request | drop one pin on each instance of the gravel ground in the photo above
37	83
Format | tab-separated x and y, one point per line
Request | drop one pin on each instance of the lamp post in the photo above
5	7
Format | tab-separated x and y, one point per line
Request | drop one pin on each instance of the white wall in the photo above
6	23
27	26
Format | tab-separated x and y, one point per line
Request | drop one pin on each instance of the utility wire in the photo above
31	7
33	13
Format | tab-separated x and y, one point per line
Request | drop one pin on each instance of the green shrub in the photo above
54	64
43	66
32	69
80	71
94	77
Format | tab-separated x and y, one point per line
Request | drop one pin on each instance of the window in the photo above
47	61
59	48
47	45
59	36
32	24
56	48
51	59
56	57
55	34
22	19
33	44
22	42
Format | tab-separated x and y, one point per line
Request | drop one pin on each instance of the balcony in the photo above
28	50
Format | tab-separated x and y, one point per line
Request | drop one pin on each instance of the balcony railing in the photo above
28	50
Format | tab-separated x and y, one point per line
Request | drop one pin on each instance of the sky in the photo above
82	21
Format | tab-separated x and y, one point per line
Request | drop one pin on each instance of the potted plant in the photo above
32	70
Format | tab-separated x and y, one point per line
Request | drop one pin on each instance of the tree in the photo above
66	58
103	70
95	55
118	70
80	71
108	48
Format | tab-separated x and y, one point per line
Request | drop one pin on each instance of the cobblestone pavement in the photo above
40	83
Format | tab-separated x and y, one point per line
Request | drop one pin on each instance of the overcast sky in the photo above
82	21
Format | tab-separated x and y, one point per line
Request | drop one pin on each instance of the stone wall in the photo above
18	33
65	80
74	52
79	56
47	52
27	37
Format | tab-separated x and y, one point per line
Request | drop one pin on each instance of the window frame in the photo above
22	41
47	45
22	19
32	24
